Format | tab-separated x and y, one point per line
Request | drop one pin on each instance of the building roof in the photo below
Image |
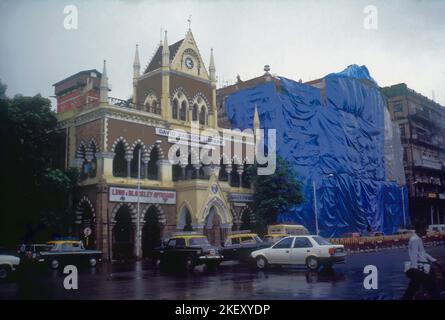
156	61
81	73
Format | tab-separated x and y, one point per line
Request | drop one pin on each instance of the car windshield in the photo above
198	241
321	241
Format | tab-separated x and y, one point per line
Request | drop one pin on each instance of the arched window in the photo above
203	116
152	166
183	112
92	170
119	162
176	169
135	162
156	107
234	176
195	112
187	219
223	176
175	109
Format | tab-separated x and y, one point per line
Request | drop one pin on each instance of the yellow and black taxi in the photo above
239	245
64	252
279	231
187	250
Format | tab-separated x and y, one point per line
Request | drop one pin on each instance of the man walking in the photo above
418	268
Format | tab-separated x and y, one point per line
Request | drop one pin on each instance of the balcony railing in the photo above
130	105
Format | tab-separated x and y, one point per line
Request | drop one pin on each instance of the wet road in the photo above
231	281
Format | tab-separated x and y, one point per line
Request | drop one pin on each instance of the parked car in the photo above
69	252
312	251
272	238
187	250
239	246
436	228
31	252
8	264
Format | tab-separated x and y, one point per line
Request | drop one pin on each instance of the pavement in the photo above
140	280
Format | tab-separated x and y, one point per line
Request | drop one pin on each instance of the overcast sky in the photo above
298	39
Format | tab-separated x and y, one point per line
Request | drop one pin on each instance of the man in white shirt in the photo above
418	268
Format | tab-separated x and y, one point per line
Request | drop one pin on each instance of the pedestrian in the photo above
419	266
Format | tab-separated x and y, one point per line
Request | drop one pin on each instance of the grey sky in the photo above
299	39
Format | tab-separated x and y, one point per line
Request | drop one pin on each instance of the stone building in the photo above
123	151
422	132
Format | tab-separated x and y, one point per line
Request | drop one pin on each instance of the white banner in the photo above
118	194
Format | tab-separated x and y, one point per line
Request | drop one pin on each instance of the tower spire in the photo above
212	67
165	52
136	64
104	85
256	119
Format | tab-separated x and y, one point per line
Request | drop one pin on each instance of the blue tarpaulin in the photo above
336	137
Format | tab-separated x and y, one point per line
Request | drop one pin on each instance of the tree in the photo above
34	195
3	88
274	193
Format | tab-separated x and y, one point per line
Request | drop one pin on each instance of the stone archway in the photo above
85	218
123	233
185	220
216	221
212	227
151	231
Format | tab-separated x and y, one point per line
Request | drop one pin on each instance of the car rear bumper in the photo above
333	259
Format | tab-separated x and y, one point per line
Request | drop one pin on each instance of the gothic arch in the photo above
159	148
221	209
180	217
126	145
162	218
119	205
144	148
80	205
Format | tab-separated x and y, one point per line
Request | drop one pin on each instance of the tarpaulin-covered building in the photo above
337	134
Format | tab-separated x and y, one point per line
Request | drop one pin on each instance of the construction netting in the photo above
337	135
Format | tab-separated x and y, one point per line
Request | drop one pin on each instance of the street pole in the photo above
138	233
403	208
315	207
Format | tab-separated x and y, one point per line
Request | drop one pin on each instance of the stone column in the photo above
229	173
165	170
128	158
102	220
240	176
105	164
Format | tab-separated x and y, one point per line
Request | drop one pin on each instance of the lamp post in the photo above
317	231
138	233
403	207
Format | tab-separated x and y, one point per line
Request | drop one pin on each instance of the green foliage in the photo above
3	88
274	193
34	194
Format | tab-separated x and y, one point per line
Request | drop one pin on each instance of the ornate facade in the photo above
122	146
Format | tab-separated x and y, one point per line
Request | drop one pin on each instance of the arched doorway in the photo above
123	234
151	232
247	221
212	227
185	220
85	223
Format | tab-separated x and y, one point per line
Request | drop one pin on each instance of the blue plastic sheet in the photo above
334	138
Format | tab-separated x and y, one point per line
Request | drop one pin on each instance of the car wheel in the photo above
93	262
189	264
54	264
312	263
261	263
4	272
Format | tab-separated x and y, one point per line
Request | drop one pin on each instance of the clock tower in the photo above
177	85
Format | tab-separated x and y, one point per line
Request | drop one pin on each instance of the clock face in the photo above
189	62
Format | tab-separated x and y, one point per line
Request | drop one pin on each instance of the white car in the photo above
8	263
312	251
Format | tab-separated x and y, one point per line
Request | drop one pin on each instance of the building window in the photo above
203	116
119	162
183	112
175	109
152	166
195	112
135	162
